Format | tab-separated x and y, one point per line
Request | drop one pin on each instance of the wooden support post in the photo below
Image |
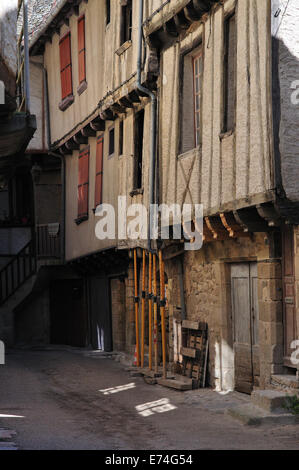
136	300
143	308
150	311
162	312
155	314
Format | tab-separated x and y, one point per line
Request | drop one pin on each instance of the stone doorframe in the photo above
270	323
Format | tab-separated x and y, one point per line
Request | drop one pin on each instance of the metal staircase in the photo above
20	268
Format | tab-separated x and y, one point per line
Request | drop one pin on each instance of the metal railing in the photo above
48	245
14	274
23	72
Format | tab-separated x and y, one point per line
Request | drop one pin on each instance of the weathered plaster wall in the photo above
117	180
229	170
105	69
285	34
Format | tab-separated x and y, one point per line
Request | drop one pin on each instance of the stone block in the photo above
271	354
270	333
270	311
269	289
271	270
269	400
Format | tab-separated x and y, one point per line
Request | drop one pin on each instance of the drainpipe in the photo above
26	56
153	121
56	155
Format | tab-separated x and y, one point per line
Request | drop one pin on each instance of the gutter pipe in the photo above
26	56
62	159
153	122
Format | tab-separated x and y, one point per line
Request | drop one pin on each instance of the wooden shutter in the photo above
197	83
230	74
99	172
81	49
83	184
66	66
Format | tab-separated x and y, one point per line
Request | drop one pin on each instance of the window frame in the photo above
121	138
226	127
108	12
82	216
126	24
81	52
99	175
67	97
198	54
110	130
138	169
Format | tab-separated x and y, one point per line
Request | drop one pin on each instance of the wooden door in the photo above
100	314
68	316
245	325
288	277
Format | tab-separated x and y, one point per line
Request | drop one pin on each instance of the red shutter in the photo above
99	172
81	49
83	184
66	66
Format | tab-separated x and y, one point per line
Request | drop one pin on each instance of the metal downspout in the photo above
62	159
26	56
153	122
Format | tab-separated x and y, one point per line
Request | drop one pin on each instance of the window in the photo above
121	138
108	12
66	66
81	49
126	21
83	186
138	139
197	80
99	172
229	99
192	64
111	142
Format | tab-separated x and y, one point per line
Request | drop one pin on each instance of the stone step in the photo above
269	400
290	382
177	384
253	415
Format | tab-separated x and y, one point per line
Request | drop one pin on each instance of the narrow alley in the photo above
59	399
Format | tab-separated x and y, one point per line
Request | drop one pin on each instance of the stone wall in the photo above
271	320
207	290
118	314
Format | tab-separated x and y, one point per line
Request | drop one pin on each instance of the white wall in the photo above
8	32
286	31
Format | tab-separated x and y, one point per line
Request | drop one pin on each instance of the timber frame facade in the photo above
226	132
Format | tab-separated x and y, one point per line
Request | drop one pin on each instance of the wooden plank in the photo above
194	325
189	352
176	384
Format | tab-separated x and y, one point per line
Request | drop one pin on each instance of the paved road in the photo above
53	400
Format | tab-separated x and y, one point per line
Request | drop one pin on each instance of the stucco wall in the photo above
226	171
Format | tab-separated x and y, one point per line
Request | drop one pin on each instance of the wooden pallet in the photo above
195	351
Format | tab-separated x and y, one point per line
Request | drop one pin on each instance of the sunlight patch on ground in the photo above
159	406
11	416
120	388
